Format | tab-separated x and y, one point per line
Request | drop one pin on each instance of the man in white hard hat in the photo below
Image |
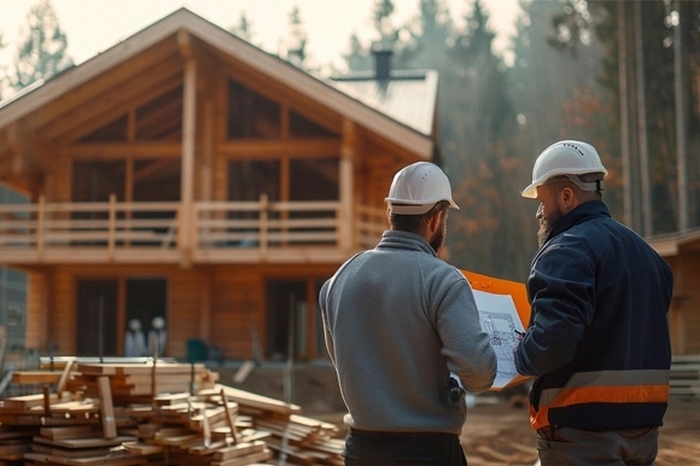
598	340
134	339
398	321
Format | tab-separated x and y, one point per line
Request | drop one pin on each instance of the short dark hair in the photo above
416	223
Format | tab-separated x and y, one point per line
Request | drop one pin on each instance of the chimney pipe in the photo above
382	61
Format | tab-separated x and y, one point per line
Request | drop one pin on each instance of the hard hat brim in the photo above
530	191
401	208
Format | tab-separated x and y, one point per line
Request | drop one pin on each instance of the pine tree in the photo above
296	46
358	58
42	47
599	18
477	129
244	28
4	78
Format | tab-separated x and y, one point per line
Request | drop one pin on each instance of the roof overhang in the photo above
672	244
300	81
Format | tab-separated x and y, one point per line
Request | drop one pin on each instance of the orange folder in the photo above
517	292
495	285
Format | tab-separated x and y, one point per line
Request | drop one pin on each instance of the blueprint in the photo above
499	318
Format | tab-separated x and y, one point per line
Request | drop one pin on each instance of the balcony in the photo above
171	232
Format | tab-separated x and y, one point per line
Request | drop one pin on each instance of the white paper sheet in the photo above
499	318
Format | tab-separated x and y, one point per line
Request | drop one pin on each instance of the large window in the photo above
313	179
251	115
95	180
248	179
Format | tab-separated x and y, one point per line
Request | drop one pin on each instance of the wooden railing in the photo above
132	230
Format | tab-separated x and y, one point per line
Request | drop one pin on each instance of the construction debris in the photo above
156	413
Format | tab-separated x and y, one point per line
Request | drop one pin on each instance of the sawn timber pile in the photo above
162	413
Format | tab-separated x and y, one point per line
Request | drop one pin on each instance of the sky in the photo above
93	26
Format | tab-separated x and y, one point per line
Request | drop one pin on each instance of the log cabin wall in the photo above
158	124
224	306
683	316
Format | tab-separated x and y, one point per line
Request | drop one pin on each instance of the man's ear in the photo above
434	221
567	199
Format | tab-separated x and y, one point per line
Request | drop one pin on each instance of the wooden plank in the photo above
61	387
254	400
13	448
27	401
241	449
93	442
35	377
246	460
69	453
115	368
68	432
141	448
229	417
109	425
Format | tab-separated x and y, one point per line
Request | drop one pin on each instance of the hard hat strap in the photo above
589	186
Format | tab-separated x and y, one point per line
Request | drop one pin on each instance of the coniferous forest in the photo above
622	75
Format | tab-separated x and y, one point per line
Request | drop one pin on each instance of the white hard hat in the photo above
416	188
565	158
158	322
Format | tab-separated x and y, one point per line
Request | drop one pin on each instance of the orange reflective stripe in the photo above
539	419
637	394
582	395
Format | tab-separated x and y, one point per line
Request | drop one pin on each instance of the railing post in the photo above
111	233
40	226
264	205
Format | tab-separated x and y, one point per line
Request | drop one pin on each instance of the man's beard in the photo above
438	239
547	225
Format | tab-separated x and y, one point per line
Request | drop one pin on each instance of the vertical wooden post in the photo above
189	120
346	219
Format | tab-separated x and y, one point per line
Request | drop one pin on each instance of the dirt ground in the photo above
497	433
500	434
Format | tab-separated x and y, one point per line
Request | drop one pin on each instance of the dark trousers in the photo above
565	446
364	448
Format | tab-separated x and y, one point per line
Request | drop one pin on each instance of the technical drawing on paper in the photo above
499	318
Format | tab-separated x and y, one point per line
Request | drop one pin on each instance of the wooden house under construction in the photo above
187	174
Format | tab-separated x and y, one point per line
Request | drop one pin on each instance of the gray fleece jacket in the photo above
397	321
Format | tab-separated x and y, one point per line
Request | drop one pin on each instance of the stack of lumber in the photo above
175	414
685	375
133	380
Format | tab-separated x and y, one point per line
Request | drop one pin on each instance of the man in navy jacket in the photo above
598	341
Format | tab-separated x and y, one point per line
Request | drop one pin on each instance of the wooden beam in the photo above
114	103
136	150
122	75
266	149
